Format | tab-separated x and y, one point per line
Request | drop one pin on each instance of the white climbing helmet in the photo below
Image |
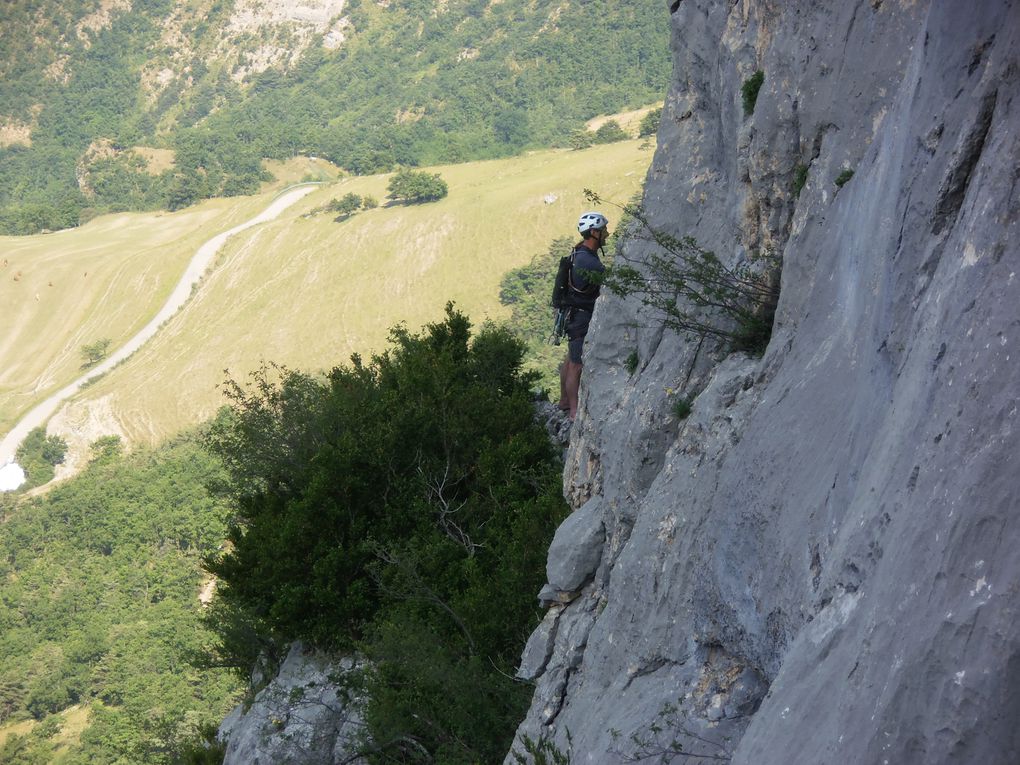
591	220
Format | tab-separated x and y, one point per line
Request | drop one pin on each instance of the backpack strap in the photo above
570	277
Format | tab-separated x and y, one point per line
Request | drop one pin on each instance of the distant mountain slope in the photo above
89	87
301	291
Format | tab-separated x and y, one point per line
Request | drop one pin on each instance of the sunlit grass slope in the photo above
103	280
73	722
306	292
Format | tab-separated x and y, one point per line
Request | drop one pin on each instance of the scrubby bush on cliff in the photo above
749	91
399	507
694	291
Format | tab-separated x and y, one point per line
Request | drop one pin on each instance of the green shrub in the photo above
650	123
581	139
93	353
682	408
610	132
346	205
105	449
416	186
202	748
631	364
843	177
526	291
38	455
800	175
749	91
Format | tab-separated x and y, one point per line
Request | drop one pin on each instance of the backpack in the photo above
564	285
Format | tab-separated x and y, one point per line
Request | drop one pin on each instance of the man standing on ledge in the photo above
582	292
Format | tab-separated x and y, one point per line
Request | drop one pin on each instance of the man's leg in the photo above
572	384
563	403
577	328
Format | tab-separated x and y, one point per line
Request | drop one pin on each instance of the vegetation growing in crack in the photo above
693	290
671	737
843	177
632	362
749	91
682	408
542	751
800	175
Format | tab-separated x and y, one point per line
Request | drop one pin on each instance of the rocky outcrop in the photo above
303	715
820	563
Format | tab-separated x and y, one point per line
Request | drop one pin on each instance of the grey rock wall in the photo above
821	564
302	716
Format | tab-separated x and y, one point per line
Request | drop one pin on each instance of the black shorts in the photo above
577	327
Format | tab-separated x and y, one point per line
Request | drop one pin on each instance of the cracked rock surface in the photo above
302	716
821	563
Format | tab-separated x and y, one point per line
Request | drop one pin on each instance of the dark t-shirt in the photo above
584	293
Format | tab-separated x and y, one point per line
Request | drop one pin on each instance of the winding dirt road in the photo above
196	268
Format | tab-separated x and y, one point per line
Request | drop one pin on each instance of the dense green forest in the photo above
414	83
400	508
99	608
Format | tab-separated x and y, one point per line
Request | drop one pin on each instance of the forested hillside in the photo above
100	610
112	105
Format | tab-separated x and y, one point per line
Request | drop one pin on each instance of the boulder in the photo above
576	548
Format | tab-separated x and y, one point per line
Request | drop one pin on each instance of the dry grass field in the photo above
104	280
305	292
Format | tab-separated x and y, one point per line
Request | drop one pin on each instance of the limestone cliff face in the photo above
302	714
821	564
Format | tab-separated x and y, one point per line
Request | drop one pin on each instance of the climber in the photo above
579	298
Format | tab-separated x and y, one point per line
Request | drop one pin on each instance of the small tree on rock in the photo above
694	291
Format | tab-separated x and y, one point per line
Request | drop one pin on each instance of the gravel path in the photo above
196	268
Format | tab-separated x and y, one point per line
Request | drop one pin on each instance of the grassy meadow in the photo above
105	279
302	291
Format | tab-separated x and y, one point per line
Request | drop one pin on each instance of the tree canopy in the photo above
100	608
415	186
401	507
